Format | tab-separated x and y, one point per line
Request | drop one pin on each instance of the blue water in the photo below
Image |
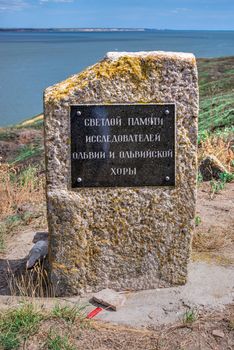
29	62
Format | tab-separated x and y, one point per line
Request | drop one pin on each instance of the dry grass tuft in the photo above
22	199
33	283
17	188
220	147
212	240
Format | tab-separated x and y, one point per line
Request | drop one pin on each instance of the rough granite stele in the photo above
122	238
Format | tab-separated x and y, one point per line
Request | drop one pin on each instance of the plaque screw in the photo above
167	111
78	113
79	179
167	178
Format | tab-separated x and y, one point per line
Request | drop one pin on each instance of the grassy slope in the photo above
216	83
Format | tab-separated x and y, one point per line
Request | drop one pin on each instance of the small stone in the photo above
218	333
110	298
38	252
210	168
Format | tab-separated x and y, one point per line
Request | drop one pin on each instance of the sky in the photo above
160	14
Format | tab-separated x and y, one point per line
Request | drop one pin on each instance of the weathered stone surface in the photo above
211	168
135	238
110	298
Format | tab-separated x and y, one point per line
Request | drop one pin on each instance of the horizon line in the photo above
108	28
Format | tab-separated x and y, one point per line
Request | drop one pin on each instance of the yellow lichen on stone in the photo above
137	69
59	266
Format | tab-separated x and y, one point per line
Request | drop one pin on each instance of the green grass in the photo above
57	342
216	112
67	313
199	178
226	177
28	175
190	316
218	185
13	220
216	82
197	220
27	152
17	325
7	134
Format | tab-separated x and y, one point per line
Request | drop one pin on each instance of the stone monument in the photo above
121	145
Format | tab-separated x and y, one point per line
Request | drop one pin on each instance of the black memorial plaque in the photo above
123	145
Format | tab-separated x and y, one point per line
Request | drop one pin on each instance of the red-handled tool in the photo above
94	312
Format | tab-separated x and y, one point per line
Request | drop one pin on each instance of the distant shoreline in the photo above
59	30
100	30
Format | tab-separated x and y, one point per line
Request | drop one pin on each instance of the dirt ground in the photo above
214	235
213	243
199	335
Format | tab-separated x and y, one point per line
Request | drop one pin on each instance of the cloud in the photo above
180	10
12	5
